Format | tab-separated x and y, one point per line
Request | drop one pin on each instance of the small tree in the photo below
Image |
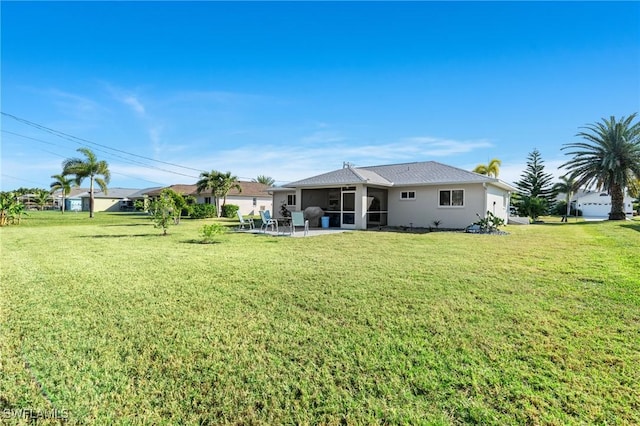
42	198
533	207
179	202
62	183
567	187
211	231
161	210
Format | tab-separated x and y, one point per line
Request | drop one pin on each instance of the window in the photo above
255	201
291	200
207	200
452	198
408	195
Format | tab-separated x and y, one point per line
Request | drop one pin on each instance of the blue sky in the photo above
293	89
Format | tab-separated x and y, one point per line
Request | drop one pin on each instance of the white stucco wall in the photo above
497	202
425	209
102	204
246	204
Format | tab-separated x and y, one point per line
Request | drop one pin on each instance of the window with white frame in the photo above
255	201
291	199
451	198
408	195
207	200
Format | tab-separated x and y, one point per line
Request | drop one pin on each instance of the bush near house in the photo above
230	210
202	211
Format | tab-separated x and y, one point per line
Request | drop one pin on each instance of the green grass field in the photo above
114	324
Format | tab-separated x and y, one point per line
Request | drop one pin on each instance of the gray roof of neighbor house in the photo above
406	174
74	193
111	193
249	189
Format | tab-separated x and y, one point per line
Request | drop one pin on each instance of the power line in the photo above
127	160
74	138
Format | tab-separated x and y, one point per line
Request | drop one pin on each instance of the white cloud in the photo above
134	103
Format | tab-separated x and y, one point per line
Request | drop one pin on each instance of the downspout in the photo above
486	207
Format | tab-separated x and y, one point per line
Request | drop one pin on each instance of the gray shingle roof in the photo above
111	193
426	172
418	173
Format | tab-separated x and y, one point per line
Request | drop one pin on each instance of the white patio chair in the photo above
245	222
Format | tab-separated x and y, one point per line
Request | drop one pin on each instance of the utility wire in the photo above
127	160
71	137
76	140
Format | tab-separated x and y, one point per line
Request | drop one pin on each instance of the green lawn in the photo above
114	324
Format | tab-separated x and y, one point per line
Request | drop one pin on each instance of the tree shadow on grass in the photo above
194	241
132	224
119	235
634	226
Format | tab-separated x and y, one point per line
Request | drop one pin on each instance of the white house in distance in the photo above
409	194
598	204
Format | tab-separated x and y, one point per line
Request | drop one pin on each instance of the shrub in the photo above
490	223
203	211
230	210
209	232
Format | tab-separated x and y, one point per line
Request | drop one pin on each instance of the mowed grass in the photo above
114	324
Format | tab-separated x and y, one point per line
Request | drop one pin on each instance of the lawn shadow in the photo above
194	241
131	224
119	235
634	226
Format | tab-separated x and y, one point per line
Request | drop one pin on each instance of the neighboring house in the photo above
410	194
114	200
598	204
253	197
72	201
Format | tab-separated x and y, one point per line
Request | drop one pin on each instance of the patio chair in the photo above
297	219
267	221
245	222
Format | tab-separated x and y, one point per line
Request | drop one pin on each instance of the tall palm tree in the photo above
609	158
491	169
62	183
91	168
265	180
567	187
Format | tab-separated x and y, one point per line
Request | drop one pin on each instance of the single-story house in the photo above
418	194
598	204
114	200
252	198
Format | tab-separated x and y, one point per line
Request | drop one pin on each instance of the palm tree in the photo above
208	181
567	187
610	159
265	180
42	198
90	168
63	184
491	169
220	184
227	183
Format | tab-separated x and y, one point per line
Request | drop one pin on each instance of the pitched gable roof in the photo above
417	173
